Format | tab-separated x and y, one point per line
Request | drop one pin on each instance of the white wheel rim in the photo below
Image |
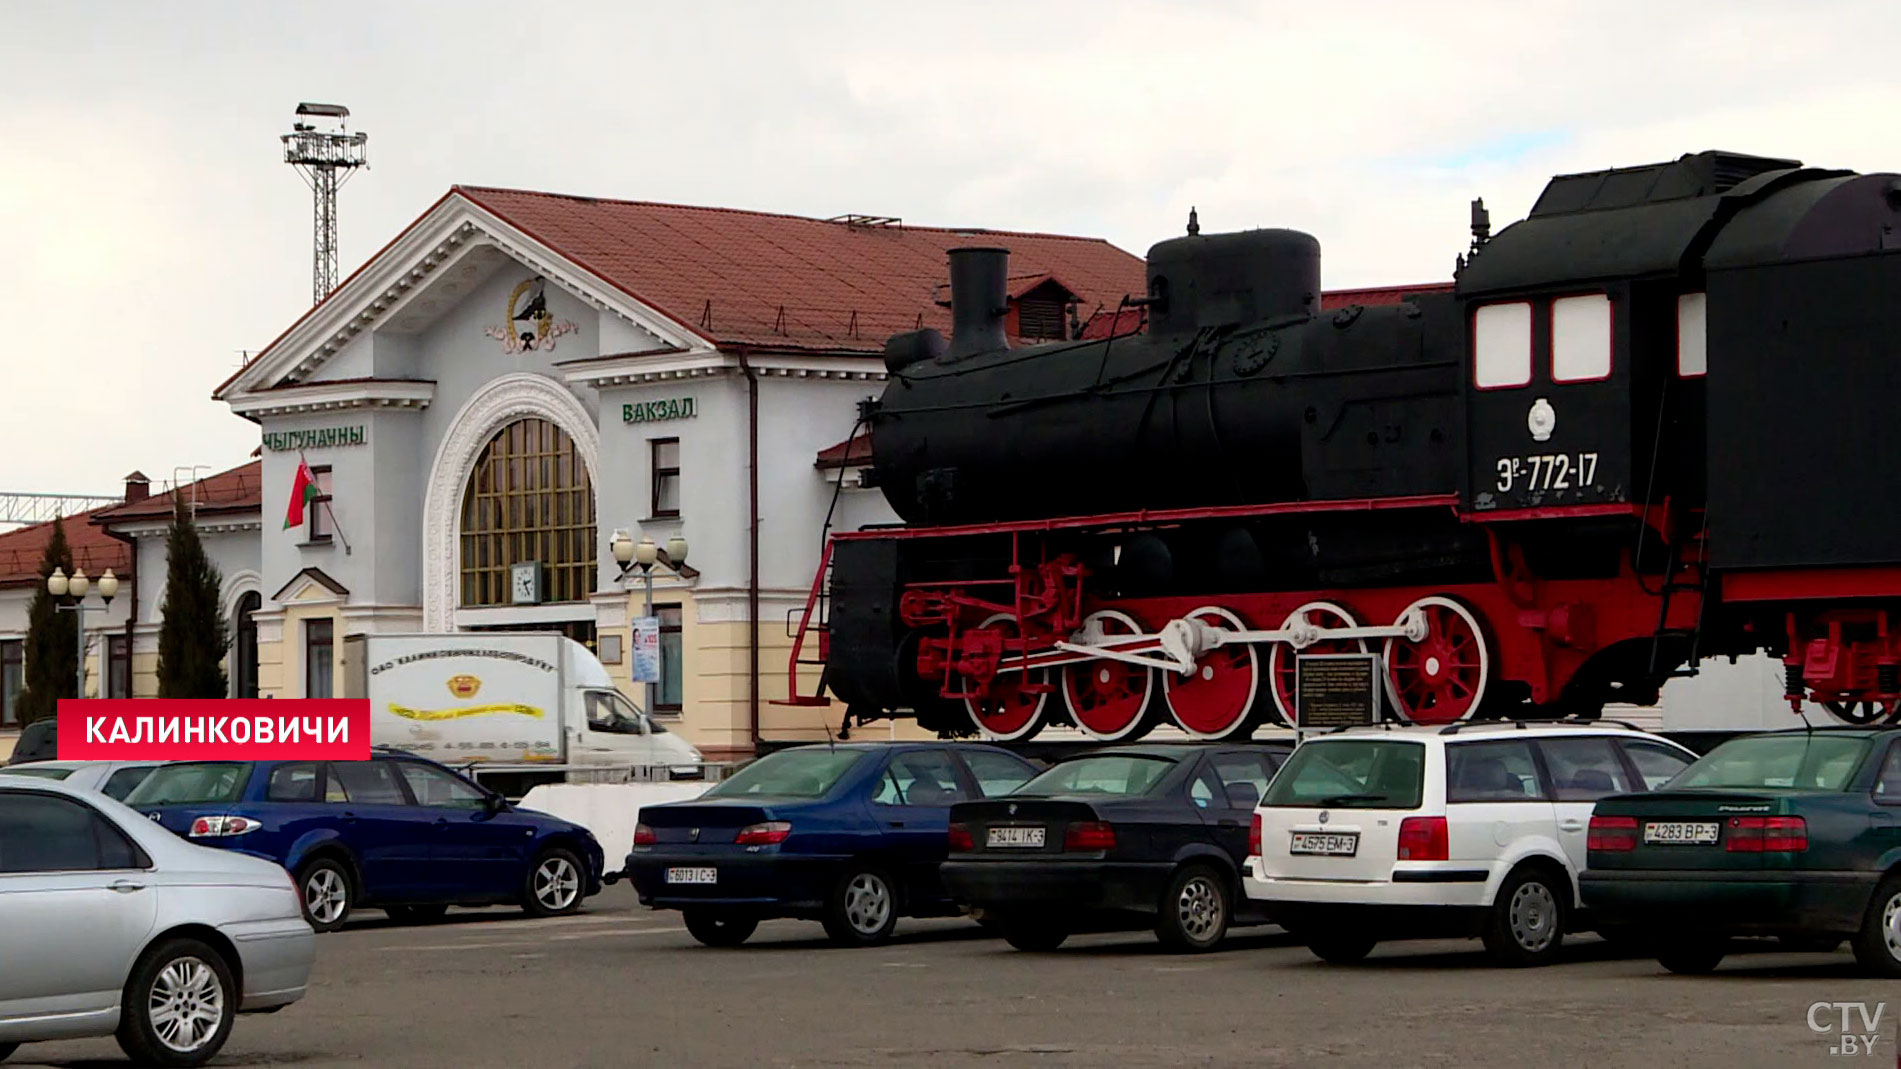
325	896
1148	683
1233	623
186	1004
867	903
1485	656
1035	721
1277	655
1534	916
556	883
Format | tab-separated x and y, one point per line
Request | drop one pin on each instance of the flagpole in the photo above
303	465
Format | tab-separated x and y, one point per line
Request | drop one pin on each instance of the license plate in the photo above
1697	834
1329	843
692	875
1015	837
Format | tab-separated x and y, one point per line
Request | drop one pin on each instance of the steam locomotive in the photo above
1650	423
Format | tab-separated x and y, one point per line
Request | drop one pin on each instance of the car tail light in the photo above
1089	835
644	836
217	827
1424	839
1767	835
960	841
1254	836
1616	834
773	831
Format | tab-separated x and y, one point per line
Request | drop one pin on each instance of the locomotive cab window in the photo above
1581	338
1501	345
1692	336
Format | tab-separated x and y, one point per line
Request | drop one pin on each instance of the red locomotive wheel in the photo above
1442	677
1216	700
1283	660
1012	712
1109	700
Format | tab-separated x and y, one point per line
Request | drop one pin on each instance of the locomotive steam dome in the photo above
1216	279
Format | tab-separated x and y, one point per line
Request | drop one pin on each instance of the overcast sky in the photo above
150	231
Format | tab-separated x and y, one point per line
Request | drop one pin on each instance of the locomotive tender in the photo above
1648	424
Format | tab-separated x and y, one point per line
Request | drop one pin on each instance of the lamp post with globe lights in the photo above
644	555
69	594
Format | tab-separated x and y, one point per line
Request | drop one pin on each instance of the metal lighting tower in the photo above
325	159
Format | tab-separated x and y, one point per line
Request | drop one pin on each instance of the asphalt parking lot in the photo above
618	985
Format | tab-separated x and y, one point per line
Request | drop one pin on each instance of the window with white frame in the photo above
1501	345
1581	338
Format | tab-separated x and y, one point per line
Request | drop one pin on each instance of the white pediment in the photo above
456	248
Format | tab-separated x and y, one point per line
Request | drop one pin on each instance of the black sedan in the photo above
1126	837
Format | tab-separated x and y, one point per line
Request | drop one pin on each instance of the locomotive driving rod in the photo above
1183	642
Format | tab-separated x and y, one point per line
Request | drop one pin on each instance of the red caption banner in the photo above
214	729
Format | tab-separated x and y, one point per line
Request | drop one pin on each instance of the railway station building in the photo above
516	377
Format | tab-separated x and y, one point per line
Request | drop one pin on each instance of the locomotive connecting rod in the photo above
1185	641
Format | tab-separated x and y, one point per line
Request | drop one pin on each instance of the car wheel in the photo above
178	1005
1194	911
1341	949
324	886
1878	944
863	909
554	884
1035	933
1526	924
1693	957
416	914
720	929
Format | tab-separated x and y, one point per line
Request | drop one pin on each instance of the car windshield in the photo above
1123	774
38	770
1352	774
192	783
788	774
1803	762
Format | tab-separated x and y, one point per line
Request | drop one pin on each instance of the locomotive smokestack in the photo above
980	298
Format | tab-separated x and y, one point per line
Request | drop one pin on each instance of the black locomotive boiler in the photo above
1648	424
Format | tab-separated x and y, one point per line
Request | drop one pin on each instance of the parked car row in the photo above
1515	834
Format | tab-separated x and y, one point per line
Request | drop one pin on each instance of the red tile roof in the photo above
856	450
783	281
237	490
93	550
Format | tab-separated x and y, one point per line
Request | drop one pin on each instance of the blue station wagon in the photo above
396	832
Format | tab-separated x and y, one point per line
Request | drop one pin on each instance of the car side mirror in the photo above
493	804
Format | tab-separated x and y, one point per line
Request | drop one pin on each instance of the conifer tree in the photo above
52	659
192	633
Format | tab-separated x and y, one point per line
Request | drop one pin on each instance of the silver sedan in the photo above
111	925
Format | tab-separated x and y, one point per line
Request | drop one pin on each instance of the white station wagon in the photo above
1471	829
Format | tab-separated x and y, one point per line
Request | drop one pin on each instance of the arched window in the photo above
244	647
529	499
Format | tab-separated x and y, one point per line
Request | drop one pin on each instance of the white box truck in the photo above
515	708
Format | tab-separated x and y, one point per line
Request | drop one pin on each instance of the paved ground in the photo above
620	986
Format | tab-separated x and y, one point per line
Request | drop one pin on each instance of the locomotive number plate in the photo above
1549	471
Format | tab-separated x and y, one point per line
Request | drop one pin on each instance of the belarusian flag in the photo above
303	491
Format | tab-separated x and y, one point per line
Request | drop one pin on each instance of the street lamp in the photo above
69	593
643	555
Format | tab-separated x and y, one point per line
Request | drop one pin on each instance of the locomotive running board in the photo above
1184	641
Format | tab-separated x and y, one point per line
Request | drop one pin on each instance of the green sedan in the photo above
1794	834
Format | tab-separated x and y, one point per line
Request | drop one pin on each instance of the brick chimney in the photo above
137	487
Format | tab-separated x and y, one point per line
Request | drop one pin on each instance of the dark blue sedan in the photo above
395	831
850	835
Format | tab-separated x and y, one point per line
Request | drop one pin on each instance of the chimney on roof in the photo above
980	299
137	487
